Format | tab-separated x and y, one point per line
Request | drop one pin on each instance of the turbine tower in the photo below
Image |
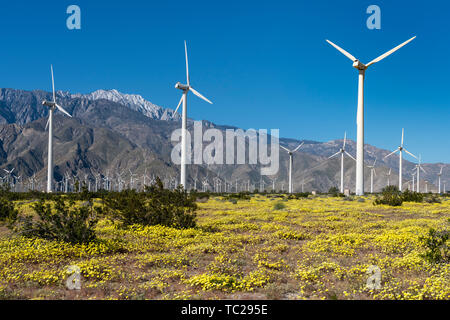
185	88
342	152
372	172
52	105
291	153
418	168
389	177
360	114
400	149
439	180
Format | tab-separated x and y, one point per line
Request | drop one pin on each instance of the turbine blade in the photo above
348	154
345	140
334	155
46	126
375	172
285	149
62	110
199	95
374	162
53	84
390	52
179	103
409	153
345	53
403	136
187	63
390	154
298	147
422	169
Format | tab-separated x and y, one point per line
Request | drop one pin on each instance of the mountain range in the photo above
113	134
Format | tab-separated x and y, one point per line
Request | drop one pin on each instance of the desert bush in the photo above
390	196
279	206
436	244
64	221
334	192
7	211
432	199
411	196
238	196
154	206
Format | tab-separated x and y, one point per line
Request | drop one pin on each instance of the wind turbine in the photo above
418	168
400	149
52	106
342	152
389	177
291	153
439	180
8	175
372	172
185	88
360	114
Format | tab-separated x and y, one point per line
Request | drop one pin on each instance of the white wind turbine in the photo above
400	150
342	152
291	153
8	175
52	106
185	88
360	114
418	168
439	180
372	172
389	177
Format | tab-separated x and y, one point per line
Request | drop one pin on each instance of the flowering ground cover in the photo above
267	247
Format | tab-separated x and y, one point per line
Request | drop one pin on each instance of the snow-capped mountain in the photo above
132	101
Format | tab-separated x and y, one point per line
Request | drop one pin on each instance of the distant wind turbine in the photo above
342	152
360	114
52	106
400	150
372	172
418	168
185	88
439	180
291	153
389	177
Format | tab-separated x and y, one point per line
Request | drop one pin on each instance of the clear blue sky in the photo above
264	64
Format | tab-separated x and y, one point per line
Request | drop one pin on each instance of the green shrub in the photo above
63	221
411	196
432	199
279	206
7	211
436	244
155	206
390	196
238	196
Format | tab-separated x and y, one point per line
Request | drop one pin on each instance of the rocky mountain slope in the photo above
112	133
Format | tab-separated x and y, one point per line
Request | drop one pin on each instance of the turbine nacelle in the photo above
181	86
359	65
49	104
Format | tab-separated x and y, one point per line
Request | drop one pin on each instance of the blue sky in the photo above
264	64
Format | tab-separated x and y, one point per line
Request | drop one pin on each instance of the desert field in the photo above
267	247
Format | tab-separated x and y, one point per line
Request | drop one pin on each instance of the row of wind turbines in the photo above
186	88
343	152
